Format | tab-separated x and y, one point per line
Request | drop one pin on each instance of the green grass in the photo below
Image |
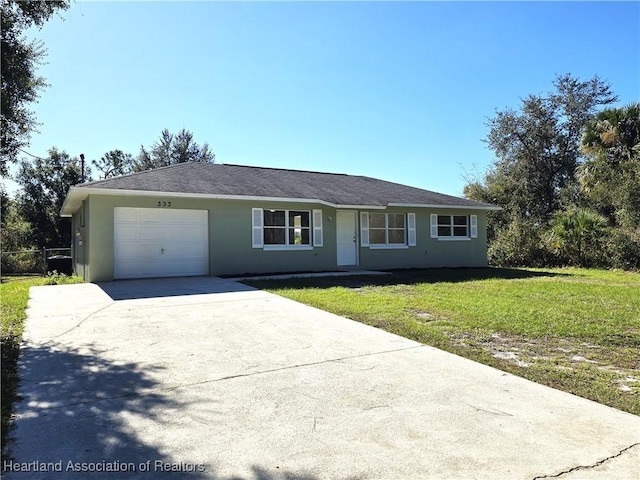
14	295
577	330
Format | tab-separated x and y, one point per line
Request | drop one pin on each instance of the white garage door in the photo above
160	242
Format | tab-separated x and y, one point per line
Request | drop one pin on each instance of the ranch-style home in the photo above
216	219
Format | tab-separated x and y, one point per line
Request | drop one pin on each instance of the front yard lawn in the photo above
577	330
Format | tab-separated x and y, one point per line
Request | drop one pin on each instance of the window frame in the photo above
386	230
314	229
452	225
470	226
288	229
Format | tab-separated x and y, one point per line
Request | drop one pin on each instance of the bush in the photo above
623	249
22	262
520	245
576	235
55	278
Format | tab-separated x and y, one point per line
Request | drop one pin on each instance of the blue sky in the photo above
399	91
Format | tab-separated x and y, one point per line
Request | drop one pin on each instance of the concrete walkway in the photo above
206	378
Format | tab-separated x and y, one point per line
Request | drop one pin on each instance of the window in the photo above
387	229
454	226
288	229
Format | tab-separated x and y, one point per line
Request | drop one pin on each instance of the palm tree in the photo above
610	176
614	134
576	233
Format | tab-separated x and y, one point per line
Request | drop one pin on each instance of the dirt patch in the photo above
561	354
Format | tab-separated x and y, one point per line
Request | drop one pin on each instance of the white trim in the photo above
280	248
364	229
257	230
473	226
454	239
411	229
317	227
82	192
391	246
434	225
434	205
357	207
77	194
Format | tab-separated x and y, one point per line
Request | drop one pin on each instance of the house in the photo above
215	219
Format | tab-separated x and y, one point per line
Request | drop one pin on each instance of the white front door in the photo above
160	242
346	237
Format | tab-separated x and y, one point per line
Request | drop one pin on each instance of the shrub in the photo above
576	237
622	248
22	262
55	278
520	245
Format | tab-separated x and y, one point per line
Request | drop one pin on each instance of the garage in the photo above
160	242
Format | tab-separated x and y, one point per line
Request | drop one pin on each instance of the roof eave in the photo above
76	195
435	205
73	201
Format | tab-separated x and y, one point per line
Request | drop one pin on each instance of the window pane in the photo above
396	236
460	220
460	231
299	236
376	236
444	231
444	219
274	218
298	219
274	236
396	220
376	220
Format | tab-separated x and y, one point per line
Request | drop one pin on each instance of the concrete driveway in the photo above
204	378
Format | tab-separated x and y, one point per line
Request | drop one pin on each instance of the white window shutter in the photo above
473	221
411	229
364	229
257	223
317	228
434	225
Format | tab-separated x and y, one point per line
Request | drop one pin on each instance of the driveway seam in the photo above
229	377
241	375
588	467
82	321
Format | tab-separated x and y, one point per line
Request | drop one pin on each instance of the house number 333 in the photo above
164	203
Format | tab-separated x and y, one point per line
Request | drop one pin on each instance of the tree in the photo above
537	149
576	235
5	201
45	183
172	149
20	84
113	164
610	176
538	146
15	230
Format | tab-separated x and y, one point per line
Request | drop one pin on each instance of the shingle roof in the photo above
239	180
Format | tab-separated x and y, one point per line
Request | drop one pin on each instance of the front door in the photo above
346	237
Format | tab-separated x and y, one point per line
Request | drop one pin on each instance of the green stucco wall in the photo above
431	252
230	234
